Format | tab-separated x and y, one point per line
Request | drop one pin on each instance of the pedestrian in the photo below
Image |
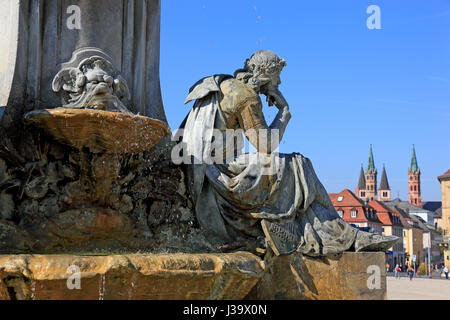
397	271
446	272
410	272
387	267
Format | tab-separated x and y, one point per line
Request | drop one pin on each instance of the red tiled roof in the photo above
384	218
349	202
349	199
444	176
383	212
379	206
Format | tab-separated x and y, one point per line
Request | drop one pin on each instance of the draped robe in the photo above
232	198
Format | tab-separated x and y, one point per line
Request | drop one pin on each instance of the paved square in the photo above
417	289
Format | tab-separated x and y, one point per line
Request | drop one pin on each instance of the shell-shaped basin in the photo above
100	131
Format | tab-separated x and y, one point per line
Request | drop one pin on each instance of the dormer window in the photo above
340	213
353	213
340	198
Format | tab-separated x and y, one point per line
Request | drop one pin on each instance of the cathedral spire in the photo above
384	191
371	166
371	179
362	179
414	168
384	184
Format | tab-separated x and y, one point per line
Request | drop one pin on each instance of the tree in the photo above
422	269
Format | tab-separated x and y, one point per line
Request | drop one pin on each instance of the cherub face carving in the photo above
95	84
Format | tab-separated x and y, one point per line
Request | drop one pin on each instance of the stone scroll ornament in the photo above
94	84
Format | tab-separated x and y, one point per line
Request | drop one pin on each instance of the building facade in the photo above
436	208
421	232
392	226
420	224
445	189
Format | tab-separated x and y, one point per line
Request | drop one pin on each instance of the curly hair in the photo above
263	62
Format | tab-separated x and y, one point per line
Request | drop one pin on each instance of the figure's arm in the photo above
252	117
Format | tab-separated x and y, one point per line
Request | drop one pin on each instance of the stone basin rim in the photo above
96	129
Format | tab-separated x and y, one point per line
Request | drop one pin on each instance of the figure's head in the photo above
94	83
262	71
98	77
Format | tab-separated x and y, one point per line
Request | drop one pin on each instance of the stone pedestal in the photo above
234	276
122	277
349	276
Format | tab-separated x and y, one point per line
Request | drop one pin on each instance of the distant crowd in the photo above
439	270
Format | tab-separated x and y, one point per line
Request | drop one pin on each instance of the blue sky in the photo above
347	86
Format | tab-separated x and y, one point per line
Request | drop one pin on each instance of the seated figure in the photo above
249	198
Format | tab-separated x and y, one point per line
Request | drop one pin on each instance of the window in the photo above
415	188
363	194
353	213
340	213
340	198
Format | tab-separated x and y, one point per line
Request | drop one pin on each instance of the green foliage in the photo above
422	269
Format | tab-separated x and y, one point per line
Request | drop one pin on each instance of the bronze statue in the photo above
248	198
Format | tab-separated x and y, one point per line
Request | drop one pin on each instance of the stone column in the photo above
41	37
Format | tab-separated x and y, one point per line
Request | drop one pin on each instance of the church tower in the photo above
371	179
414	181
360	190
384	192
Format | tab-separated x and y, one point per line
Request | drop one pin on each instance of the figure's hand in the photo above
275	97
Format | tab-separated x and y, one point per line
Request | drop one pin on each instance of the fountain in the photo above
79	165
